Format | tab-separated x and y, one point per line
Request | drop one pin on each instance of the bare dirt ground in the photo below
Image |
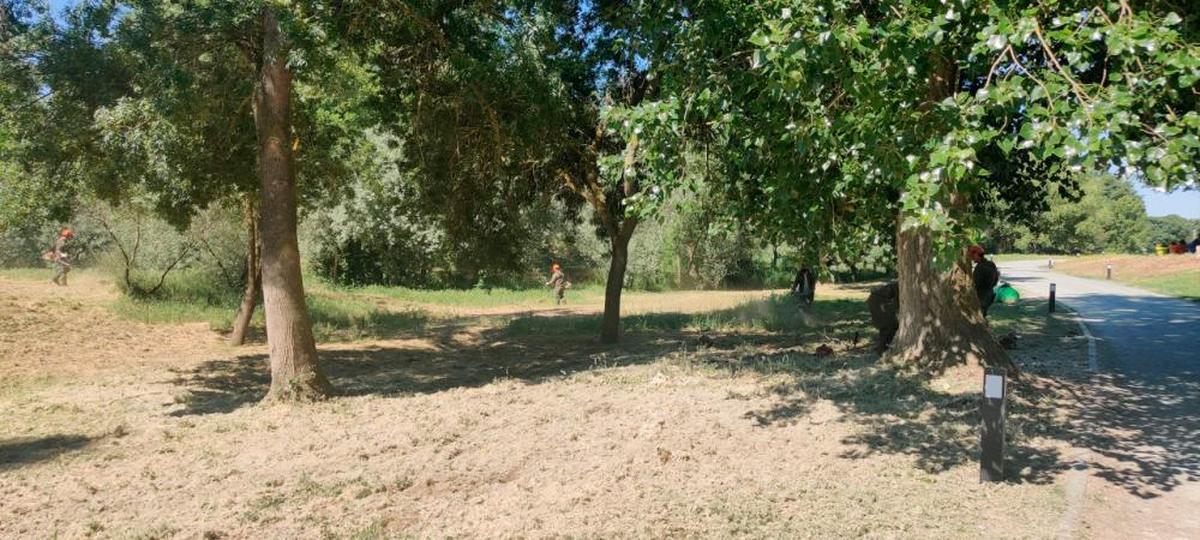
631	303
114	429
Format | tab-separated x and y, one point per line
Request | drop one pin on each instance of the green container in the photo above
1006	294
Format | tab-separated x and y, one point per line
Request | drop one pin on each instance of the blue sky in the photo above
1183	203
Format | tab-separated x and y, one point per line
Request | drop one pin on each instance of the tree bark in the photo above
610	328
941	323
295	372
241	325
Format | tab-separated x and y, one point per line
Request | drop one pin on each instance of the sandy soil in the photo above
50	331
114	429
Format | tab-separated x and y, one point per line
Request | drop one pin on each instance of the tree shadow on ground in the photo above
900	411
1145	430
528	347
224	385
24	451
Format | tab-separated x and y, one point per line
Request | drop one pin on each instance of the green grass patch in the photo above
1183	285
335	319
475	298
27	274
171	311
342	318
1172	275
778	314
336	316
1002	257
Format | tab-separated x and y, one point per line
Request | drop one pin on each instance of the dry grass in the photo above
1172	275
476	429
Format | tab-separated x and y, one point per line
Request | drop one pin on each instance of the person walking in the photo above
985	276
60	257
558	280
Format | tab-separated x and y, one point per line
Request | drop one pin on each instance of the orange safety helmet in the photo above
66	232
555	266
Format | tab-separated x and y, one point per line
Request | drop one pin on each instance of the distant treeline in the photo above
1104	214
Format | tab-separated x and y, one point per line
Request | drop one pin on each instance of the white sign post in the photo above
991	460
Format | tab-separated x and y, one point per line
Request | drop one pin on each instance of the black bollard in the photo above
1108	271
991	441
1050	263
1052	287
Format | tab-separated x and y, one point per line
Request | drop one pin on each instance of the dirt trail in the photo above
47	330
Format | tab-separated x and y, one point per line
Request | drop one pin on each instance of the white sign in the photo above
993	386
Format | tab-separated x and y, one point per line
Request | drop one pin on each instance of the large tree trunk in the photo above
610	328
295	373
241	326
941	323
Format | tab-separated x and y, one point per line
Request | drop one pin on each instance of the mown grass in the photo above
1183	285
27	274
778	314
1171	275
475	298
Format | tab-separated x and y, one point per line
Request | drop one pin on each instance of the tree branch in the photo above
1079	93
1013	55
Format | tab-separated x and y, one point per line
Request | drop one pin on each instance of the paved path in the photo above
1140	421
1140	333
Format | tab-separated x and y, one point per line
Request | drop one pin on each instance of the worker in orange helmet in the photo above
59	256
558	280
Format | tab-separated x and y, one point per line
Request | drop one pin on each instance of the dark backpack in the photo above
987	276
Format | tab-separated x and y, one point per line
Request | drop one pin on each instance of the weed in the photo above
374	531
402	483
156	533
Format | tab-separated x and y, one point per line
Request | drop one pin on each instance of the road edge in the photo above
1076	484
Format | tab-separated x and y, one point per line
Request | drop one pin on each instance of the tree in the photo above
1105	214
217	76
295	373
901	112
502	105
1172	228
1114	217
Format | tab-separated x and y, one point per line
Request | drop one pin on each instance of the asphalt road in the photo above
1139	333
1140	414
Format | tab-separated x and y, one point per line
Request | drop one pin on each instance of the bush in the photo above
149	258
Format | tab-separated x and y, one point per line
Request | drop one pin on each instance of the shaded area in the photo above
1147	430
1141	335
224	385
1141	413
900	411
28	450
528	347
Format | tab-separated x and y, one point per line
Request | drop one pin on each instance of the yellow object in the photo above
1160	250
